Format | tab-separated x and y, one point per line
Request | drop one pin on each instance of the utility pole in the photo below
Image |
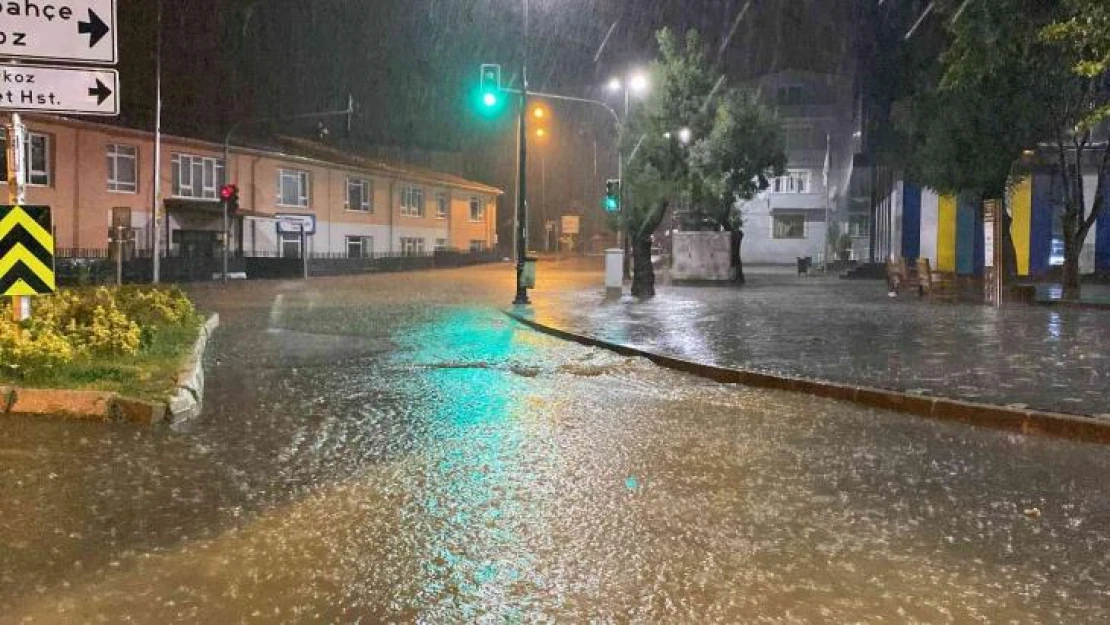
522	174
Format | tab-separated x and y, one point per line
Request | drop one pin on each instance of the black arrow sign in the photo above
95	28
100	91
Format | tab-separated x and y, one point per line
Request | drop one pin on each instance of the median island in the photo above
130	341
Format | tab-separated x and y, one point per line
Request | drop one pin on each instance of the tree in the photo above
744	151
1008	83
694	139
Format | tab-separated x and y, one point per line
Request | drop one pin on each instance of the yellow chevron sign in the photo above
26	251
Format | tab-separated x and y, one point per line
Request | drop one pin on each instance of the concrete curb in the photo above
1019	420
188	400
106	406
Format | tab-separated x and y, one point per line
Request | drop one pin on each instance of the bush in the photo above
90	323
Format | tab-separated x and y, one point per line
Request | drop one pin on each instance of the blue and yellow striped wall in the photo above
949	230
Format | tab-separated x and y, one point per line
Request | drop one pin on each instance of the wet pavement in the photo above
1049	358
394	449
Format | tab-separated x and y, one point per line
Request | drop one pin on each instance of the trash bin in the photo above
804	265
528	280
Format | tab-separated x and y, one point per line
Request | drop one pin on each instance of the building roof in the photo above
293	148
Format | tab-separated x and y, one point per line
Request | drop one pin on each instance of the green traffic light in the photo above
611	204
489	99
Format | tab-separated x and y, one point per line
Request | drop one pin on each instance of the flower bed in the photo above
129	340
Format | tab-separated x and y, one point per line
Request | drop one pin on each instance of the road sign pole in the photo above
21	304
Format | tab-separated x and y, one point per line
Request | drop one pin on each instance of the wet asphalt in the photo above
394	449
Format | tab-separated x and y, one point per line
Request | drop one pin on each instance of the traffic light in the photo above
612	196
229	194
491	87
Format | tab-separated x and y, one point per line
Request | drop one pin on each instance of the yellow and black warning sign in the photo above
26	251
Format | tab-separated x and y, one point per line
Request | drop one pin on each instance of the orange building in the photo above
95	176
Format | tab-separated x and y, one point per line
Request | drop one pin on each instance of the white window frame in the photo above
304	187
413	201
116	152
774	230
794	182
478	245
28	155
443	205
365	245
367	187
412	246
477	203
199	191
442	245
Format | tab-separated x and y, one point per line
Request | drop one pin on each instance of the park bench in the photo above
919	277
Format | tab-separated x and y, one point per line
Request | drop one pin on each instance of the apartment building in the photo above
96	176
791	218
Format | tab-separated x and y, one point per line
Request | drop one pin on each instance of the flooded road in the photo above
394	449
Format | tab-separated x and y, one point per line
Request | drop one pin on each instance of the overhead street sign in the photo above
83	31
26	251
77	90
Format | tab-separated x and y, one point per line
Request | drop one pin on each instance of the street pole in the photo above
21	304
227	154
155	212
522	174
304	252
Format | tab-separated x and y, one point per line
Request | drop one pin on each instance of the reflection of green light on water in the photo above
631	483
475	471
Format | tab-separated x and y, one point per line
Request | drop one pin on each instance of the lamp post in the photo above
637	82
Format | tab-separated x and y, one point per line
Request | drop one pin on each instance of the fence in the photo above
97	266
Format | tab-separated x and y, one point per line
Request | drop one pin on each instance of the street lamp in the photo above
522	171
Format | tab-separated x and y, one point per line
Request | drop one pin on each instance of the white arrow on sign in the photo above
79	90
66	30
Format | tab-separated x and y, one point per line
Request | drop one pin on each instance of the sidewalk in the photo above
1047	358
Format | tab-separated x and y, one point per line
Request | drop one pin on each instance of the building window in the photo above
412	202
477	209
789	226
360	247
197	177
412	246
858	226
293	188
36	149
443	206
795	181
442	245
123	168
359	194
477	246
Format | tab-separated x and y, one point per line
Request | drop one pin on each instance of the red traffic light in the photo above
228	191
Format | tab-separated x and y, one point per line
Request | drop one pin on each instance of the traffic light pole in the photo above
521	298
227	154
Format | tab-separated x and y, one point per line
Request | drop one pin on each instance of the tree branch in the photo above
653	219
1100	193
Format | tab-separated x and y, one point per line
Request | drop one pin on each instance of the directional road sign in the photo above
26	251
78	90
65	30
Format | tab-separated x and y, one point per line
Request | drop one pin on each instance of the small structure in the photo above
702	256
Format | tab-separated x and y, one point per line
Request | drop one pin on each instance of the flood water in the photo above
395	449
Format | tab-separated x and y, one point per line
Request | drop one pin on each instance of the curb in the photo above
1018	420
107	406
188	400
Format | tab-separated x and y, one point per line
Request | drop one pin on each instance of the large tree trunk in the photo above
1072	247
737	261
643	273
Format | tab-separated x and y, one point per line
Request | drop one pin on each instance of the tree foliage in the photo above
696	140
